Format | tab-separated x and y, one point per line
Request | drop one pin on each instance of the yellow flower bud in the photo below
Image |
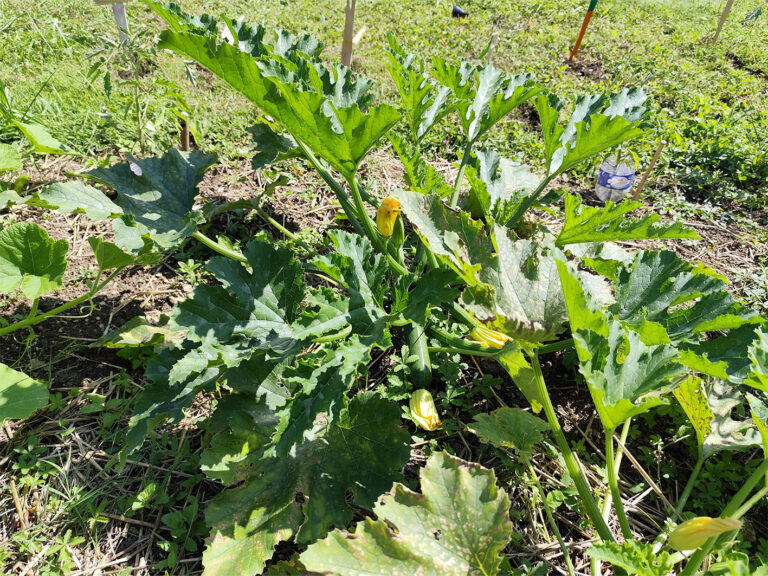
488	337
423	410
695	532
387	215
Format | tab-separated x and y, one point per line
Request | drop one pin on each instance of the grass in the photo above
87	507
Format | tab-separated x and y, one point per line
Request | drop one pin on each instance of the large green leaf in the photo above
428	290
496	96
41	140
321	395
453	236
587	132
725	357
610	224
625	377
355	459
223	326
10	159
341	136
686	300
354	264
20	395
510	428
423	101
156	196
458	525
520	293
30	260
77	197
319	108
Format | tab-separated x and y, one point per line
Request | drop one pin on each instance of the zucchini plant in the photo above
33	264
295	438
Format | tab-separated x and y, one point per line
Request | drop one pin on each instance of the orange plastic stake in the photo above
587	18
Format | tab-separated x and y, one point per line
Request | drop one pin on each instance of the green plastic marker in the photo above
587	18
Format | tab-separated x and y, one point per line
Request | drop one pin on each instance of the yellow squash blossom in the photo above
423	410
387	215
695	532
488	337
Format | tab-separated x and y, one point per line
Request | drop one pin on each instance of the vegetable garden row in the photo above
282	335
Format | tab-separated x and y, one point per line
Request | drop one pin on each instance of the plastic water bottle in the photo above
614	179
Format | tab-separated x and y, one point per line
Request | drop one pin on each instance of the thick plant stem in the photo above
32	320
613	483
550	517
460	175
216	247
457	345
691	481
572	465
619	456
33	309
282	229
341	195
747	506
745	490
554	346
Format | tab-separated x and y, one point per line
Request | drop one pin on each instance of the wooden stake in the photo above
349	28
723	18
184	135
19	508
121	19
647	172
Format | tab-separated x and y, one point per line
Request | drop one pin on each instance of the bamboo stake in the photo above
349	28
723	18
647	172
